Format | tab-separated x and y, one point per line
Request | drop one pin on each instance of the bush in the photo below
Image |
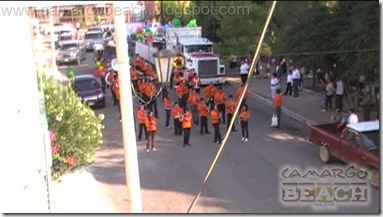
75	130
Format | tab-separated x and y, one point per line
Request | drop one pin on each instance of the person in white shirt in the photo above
296	76
339	93
352	118
289	82
274	84
330	90
243	71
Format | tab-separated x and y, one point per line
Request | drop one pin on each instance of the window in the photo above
370	140
93	36
65	38
199	48
352	139
85	85
69	47
108	34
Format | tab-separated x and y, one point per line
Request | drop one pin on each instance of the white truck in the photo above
197	53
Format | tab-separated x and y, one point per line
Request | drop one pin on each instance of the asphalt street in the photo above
247	178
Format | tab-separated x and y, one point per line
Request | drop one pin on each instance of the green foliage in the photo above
78	130
170	10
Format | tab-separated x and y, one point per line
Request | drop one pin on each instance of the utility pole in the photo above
127	112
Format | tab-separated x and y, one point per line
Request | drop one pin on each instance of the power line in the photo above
326	52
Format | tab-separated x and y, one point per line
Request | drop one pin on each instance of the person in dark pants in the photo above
244	70
215	120
177	111
168	107
202	111
278	101
296	77
289	82
339	93
244	120
367	104
231	104
219	100
151	128
186	121
141	116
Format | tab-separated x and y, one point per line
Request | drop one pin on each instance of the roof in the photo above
195	41
70	42
365	126
84	77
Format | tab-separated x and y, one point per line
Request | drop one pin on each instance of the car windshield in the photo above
65	38
370	140
93	36
199	48
85	85
69	47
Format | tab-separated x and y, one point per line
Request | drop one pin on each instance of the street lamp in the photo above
163	60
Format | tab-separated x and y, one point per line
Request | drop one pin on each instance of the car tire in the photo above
324	154
374	178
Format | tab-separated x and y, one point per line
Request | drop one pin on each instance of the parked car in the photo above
89	90
71	51
356	144
64	37
93	37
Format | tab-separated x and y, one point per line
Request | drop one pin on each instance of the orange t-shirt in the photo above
215	116
133	74
245	115
116	89
194	99
151	124
230	106
219	98
210	91
202	109
181	90
278	100
141	116
239	92
177	111
186	122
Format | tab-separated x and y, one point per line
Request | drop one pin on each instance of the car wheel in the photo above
324	154
374	178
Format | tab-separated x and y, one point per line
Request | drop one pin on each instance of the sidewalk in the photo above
305	108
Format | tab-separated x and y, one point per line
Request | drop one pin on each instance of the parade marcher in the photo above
177	111
151	128
244	121
202	111
215	121
151	92
112	81
141	116
134	78
181	92
116	90
194	99
219	100
196	83
278	101
231	104
186	121
168	107
239	92
209	93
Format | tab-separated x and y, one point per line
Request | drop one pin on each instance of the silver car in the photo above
93	37
71	51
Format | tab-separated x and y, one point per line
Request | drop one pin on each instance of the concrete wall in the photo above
23	124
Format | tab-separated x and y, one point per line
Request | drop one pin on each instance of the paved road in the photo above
246	180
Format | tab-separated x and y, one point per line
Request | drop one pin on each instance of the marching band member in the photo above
202	111
112	81
231	104
181	92
244	120
150	92
194	99
215	121
134	77
151	128
209	93
186	120
116	90
176	112
168	107
196	83
239	92
141	116
219	99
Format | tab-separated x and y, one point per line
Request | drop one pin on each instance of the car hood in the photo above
94	40
66	52
86	93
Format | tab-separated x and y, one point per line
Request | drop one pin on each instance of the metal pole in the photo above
53	49
127	112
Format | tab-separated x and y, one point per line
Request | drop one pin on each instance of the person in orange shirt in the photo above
141	116
151	128
244	120
219	99
134	77
181	92
278	101
168	107
111	79
177	111
215	121
202	111
186	121
116	90
239	92
151	92
209	93
231	104
194	99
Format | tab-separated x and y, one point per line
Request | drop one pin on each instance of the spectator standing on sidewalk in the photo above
330	90
339	94
274	84
367	104
244	70
289	83
323	85
296	77
278	101
352	117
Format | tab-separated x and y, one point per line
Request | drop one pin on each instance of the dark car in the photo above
89	90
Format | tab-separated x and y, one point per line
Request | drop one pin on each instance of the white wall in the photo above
23	123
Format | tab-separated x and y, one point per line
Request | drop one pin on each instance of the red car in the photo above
89	90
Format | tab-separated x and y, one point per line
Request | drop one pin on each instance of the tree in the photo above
181	10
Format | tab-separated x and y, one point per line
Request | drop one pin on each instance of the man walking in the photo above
296	77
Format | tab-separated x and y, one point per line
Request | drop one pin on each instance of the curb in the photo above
285	110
